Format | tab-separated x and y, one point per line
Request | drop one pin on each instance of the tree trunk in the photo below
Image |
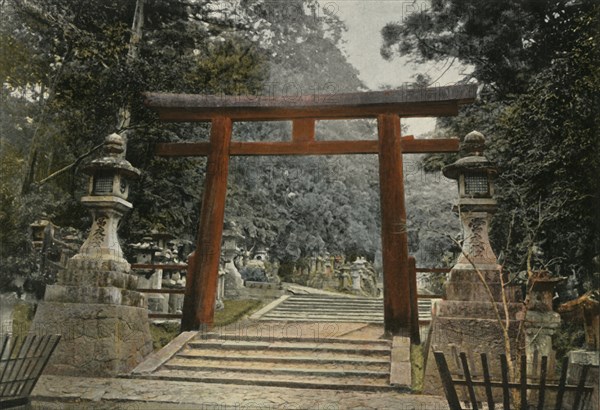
124	114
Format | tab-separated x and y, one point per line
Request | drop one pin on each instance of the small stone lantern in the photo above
231	283
230	237
475	175
261	255
41	230
145	251
108	189
149	278
540	321
355	272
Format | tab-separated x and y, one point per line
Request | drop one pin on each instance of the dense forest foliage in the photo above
74	72
538	63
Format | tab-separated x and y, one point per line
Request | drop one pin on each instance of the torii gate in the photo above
386	106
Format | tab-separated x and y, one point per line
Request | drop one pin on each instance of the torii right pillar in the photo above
466	321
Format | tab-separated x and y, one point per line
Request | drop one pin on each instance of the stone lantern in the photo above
94	303
41	230
231	236
540	321
145	251
261	255
475	175
162	239
355	273
465	319
231	283
108	189
149	278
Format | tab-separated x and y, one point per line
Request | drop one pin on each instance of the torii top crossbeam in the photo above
400	303
406	102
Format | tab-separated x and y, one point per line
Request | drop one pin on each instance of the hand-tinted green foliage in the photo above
507	42
551	157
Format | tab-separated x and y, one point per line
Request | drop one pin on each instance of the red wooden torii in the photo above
386	106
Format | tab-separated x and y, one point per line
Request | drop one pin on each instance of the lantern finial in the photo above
114	145
474	143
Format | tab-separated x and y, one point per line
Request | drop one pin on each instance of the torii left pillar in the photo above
394	236
199	302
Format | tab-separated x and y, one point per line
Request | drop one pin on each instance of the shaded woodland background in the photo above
66	74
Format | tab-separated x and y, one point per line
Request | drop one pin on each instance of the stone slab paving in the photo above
61	392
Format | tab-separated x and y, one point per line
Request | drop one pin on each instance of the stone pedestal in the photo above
102	319
466	322
156	302
97	339
175	303
539	329
233	286
539	320
356	281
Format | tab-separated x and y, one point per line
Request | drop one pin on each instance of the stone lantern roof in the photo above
231	230
113	161
474	161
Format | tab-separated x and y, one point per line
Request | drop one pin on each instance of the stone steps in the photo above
279	366
238	337
325	308
313	363
257	356
352	383
271	344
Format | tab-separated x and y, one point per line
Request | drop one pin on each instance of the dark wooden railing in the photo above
552	393
163	266
22	360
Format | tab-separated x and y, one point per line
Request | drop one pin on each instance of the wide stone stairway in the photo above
328	308
301	362
298	341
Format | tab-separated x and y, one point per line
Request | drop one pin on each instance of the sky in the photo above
364	20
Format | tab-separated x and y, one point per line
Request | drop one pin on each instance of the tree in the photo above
548	150
506	42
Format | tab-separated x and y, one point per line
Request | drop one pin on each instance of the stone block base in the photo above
108	295
578	359
97	339
452	336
